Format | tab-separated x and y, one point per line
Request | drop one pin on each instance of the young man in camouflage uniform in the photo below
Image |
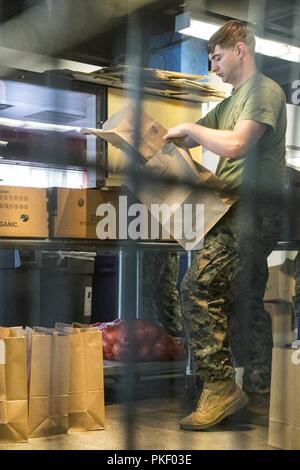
227	279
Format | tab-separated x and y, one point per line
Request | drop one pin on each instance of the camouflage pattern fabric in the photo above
222	297
160	296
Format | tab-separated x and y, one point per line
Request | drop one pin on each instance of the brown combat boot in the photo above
218	400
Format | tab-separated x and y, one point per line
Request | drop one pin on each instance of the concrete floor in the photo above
158	406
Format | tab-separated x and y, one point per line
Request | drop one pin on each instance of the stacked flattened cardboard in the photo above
158	82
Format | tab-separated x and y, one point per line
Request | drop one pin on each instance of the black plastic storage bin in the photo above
19	287
105	288
66	288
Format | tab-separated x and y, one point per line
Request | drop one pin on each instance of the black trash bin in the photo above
105	288
66	289
19	287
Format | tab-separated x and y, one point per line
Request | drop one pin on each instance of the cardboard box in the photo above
284	424
74	214
23	212
74	211
282	316
281	282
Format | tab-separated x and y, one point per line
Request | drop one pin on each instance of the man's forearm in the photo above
223	143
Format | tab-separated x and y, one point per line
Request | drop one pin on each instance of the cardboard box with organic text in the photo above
23	212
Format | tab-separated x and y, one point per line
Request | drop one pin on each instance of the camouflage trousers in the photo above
160	296
222	297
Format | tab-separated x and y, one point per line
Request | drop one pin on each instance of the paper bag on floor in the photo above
13	386
86	385
49	384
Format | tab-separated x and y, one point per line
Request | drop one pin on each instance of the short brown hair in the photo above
230	34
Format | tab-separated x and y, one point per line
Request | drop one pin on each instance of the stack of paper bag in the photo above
13	386
51	382
195	198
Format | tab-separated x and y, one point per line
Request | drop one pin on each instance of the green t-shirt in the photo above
262	168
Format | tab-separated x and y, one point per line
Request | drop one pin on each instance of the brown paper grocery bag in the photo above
192	195
86	391
118	130
13	386
86	386
174	178
49	384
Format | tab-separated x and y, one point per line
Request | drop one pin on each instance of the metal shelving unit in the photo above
117	370
113	370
